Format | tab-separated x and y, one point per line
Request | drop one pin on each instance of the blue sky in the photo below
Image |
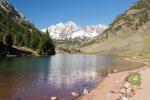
44	13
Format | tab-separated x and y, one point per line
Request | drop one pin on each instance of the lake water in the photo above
39	78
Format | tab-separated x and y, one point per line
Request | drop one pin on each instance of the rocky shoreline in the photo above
115	87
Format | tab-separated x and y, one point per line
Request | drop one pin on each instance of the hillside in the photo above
15	29
129	34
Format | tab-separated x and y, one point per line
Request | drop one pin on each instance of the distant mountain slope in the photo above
128	34
71	30
10	13
15	29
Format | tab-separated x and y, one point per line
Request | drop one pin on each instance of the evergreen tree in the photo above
40	48
34	41
8	40
46	46
49	46
2	46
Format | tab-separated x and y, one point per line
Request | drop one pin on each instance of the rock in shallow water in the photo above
74	94
53	98
115	71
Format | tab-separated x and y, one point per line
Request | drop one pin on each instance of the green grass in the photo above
134	78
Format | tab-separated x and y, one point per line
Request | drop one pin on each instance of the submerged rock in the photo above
18	99
53	98
115	71
74	94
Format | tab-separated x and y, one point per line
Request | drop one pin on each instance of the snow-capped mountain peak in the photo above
71	23
59	24
71	30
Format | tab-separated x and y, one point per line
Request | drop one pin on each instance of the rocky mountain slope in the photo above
129	34
71	30
15	29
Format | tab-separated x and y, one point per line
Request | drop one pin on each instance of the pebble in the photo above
74	94
134	88
127	85
123	91
129	91
85	91
115	71
53	98
125	98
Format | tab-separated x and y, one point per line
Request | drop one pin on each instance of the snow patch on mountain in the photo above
4	3
9	8
71	30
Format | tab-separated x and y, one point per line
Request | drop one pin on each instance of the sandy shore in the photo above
112	83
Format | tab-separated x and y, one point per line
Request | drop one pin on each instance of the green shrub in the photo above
134	78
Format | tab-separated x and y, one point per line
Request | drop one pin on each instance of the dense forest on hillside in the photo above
16	30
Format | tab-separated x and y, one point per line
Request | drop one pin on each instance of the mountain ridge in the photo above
68	30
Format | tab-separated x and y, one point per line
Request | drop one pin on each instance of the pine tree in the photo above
2	46
45	45
40	48
8	40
